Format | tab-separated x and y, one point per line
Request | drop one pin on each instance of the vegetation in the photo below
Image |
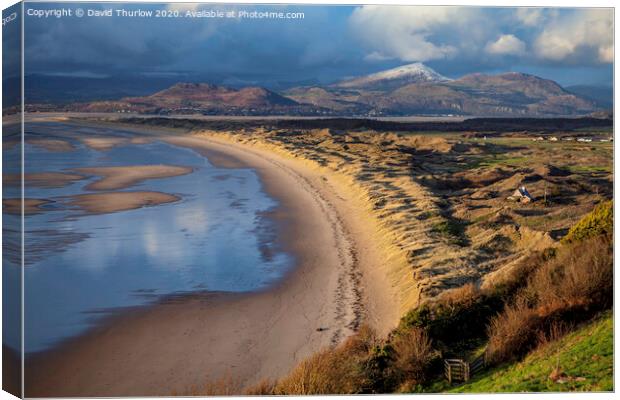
414	354
530	304
452	230
599	222
522	325
582	360
568	288
352	367
498	160
589	168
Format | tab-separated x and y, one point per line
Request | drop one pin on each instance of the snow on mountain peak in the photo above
410	73
410	70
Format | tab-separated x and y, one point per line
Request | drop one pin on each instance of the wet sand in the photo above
94	203
31	206
102	143
42	179
102	203
173	346
54	145
113	178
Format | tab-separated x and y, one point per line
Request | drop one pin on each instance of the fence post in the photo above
465	371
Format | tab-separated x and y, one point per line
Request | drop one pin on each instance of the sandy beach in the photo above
180	344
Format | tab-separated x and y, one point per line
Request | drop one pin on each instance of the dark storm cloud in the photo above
249	49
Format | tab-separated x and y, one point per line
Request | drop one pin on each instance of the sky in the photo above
571	46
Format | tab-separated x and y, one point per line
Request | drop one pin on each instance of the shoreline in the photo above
160	349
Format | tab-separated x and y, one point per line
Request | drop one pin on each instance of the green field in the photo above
583	360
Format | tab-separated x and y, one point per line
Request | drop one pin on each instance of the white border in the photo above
484	3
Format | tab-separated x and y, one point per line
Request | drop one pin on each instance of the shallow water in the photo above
80	267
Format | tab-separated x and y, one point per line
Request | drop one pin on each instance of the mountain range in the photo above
417	89
413	89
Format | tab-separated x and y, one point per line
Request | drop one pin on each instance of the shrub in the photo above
319	374
581	275
517	277
414	354
223	386
599	221
333	371
376	372
570	287
457	316
265	387
512	333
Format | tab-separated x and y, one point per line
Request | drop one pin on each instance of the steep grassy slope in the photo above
580	361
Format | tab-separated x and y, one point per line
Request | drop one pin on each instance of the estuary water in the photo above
80	267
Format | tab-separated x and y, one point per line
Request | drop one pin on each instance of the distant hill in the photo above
203	95
205	98
602	95
509	94
426	92
413	89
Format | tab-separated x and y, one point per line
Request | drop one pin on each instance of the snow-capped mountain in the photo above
415	90
395	77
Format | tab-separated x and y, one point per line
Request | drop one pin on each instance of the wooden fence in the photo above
458	370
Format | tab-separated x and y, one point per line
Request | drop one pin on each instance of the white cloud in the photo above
182	7
571	35
408	34
506	45
530	16
405	32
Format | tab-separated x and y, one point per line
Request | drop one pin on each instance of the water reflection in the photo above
216	238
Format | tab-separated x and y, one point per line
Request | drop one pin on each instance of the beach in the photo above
183	342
